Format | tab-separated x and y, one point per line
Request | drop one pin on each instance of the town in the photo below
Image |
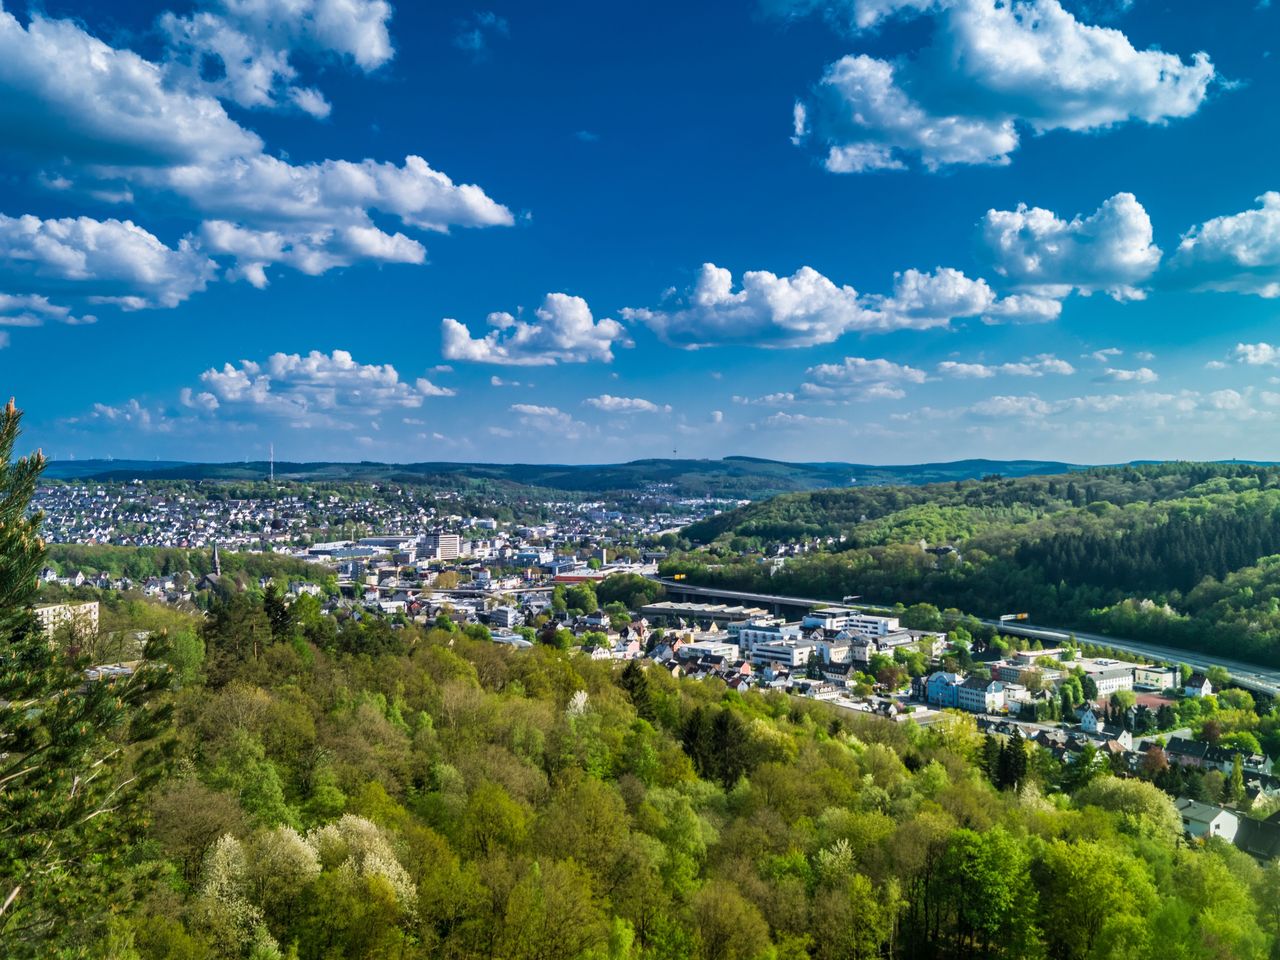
524	584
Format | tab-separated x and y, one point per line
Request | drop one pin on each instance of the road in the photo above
1250	676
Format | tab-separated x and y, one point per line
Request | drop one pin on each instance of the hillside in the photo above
340	789
732	477
1173	553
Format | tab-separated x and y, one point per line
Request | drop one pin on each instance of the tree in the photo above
922	616
1219	677
74	756
636	684
1233	789
582	596
1013	762
279	614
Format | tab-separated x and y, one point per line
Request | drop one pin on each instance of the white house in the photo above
1202	820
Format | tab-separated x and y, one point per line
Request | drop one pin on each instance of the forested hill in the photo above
1180	553
735	477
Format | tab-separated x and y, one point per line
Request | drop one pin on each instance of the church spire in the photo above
217	560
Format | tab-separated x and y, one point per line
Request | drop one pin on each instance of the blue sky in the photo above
868	230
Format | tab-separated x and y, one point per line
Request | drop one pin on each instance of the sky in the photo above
879	231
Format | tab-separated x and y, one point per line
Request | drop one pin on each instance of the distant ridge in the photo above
738	476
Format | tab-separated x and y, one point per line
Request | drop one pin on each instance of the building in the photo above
81	617
1109	675
701	612
504	617
847	618
441	546
760	631
1201	820
707	648
1155	677
980	696
1197	686
942	689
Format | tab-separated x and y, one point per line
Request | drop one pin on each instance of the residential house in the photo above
1197	686
1202	820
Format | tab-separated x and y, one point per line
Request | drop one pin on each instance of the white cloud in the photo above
130	414
1023	308
806	308
860	378
1035	367
564	332
921	300
66	93
866	121
1140	375
1257	354
32	310
1239	253
1029	407
95	120
106	260
252	42
549	420
265	191
990	66
1106	354
779	399
612	404
782	420
296	386
310	253
1110	250
801	310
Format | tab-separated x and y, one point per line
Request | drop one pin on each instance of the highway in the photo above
1250	676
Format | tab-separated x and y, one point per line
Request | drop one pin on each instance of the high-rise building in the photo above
441	546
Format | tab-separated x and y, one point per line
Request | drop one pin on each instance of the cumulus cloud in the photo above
866	121
105	122
113	261
266	190
860	378
564	332
1038	366
549	420
807	308
771	311
300	387
1238	253
612	404
1140	375
63	93
990	67
1257	354
1110	250
248	45
311	253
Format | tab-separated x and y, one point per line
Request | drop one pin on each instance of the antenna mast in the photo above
272	474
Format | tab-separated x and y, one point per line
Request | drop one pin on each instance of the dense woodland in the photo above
274	783
1182	554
